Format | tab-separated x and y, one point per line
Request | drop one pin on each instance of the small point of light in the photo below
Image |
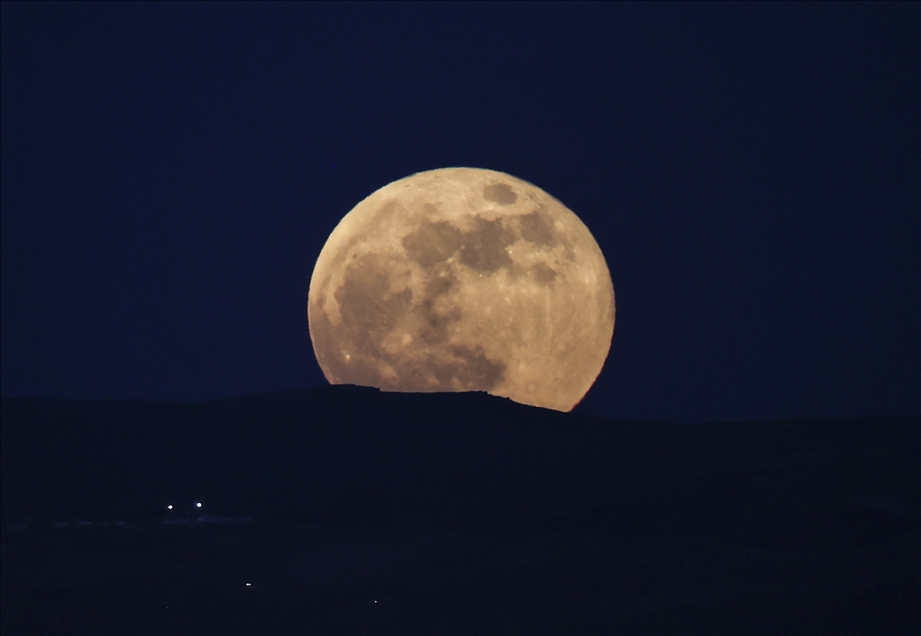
375	602
198	505
249	585
169	507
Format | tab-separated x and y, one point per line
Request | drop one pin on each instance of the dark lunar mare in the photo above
371	312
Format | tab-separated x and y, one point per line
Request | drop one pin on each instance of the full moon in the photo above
463	279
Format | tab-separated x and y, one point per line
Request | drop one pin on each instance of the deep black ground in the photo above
363	512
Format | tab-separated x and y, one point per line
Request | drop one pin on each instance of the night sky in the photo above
752	172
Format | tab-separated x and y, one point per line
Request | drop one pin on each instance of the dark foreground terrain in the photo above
344	510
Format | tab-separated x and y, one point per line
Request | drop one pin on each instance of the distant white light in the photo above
375	602
249	585
169	507
198	505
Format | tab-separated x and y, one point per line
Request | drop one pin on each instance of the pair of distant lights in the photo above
170	506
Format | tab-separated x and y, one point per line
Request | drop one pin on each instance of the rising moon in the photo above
463	279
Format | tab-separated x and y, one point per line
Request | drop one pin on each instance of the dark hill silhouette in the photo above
542	521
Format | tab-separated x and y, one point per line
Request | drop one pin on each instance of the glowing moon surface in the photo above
463	279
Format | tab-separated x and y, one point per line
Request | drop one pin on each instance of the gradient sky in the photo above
752	172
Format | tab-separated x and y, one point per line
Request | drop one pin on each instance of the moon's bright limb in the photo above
463	279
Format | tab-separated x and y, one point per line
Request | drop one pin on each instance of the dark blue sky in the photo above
170	173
